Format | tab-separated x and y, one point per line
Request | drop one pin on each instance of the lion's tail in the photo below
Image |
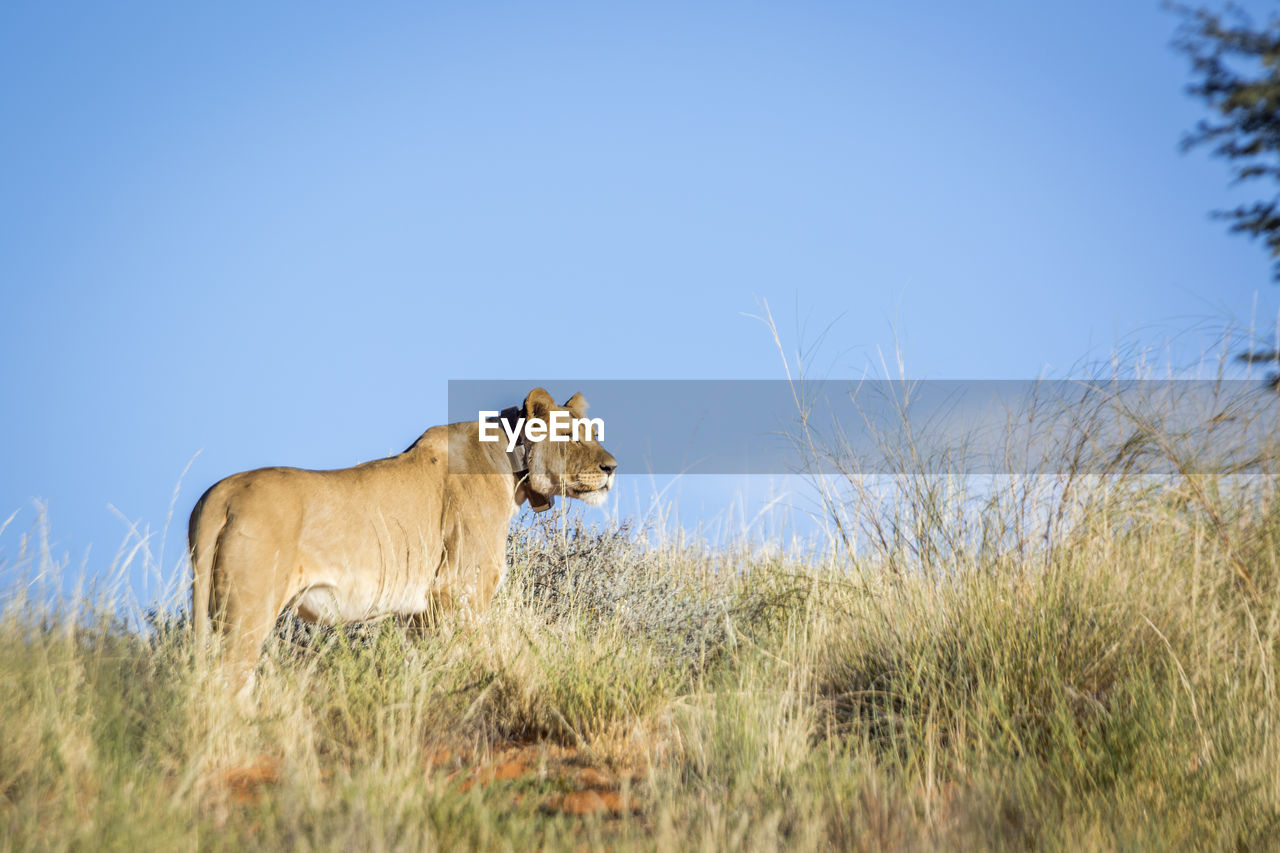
207	522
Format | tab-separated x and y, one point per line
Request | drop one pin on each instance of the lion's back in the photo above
265	496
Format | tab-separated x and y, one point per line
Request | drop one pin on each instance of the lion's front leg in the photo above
473	564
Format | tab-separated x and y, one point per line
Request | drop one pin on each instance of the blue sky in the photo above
271	233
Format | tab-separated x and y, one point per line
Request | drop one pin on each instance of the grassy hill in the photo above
1081	661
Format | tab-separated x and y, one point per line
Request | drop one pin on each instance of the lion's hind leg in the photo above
248	596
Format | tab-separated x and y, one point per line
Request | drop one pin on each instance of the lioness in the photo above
408	535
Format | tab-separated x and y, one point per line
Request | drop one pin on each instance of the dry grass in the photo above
1088	662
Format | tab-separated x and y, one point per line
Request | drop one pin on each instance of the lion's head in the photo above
578	468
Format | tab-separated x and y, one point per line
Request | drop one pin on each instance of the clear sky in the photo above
271	233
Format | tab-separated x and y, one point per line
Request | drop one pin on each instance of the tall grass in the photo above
1083	658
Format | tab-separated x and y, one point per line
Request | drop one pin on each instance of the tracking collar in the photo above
519	458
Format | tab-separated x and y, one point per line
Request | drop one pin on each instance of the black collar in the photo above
519	458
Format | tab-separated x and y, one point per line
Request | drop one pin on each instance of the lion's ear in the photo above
577	406
539	404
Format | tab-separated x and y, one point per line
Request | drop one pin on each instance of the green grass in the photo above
1107	681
